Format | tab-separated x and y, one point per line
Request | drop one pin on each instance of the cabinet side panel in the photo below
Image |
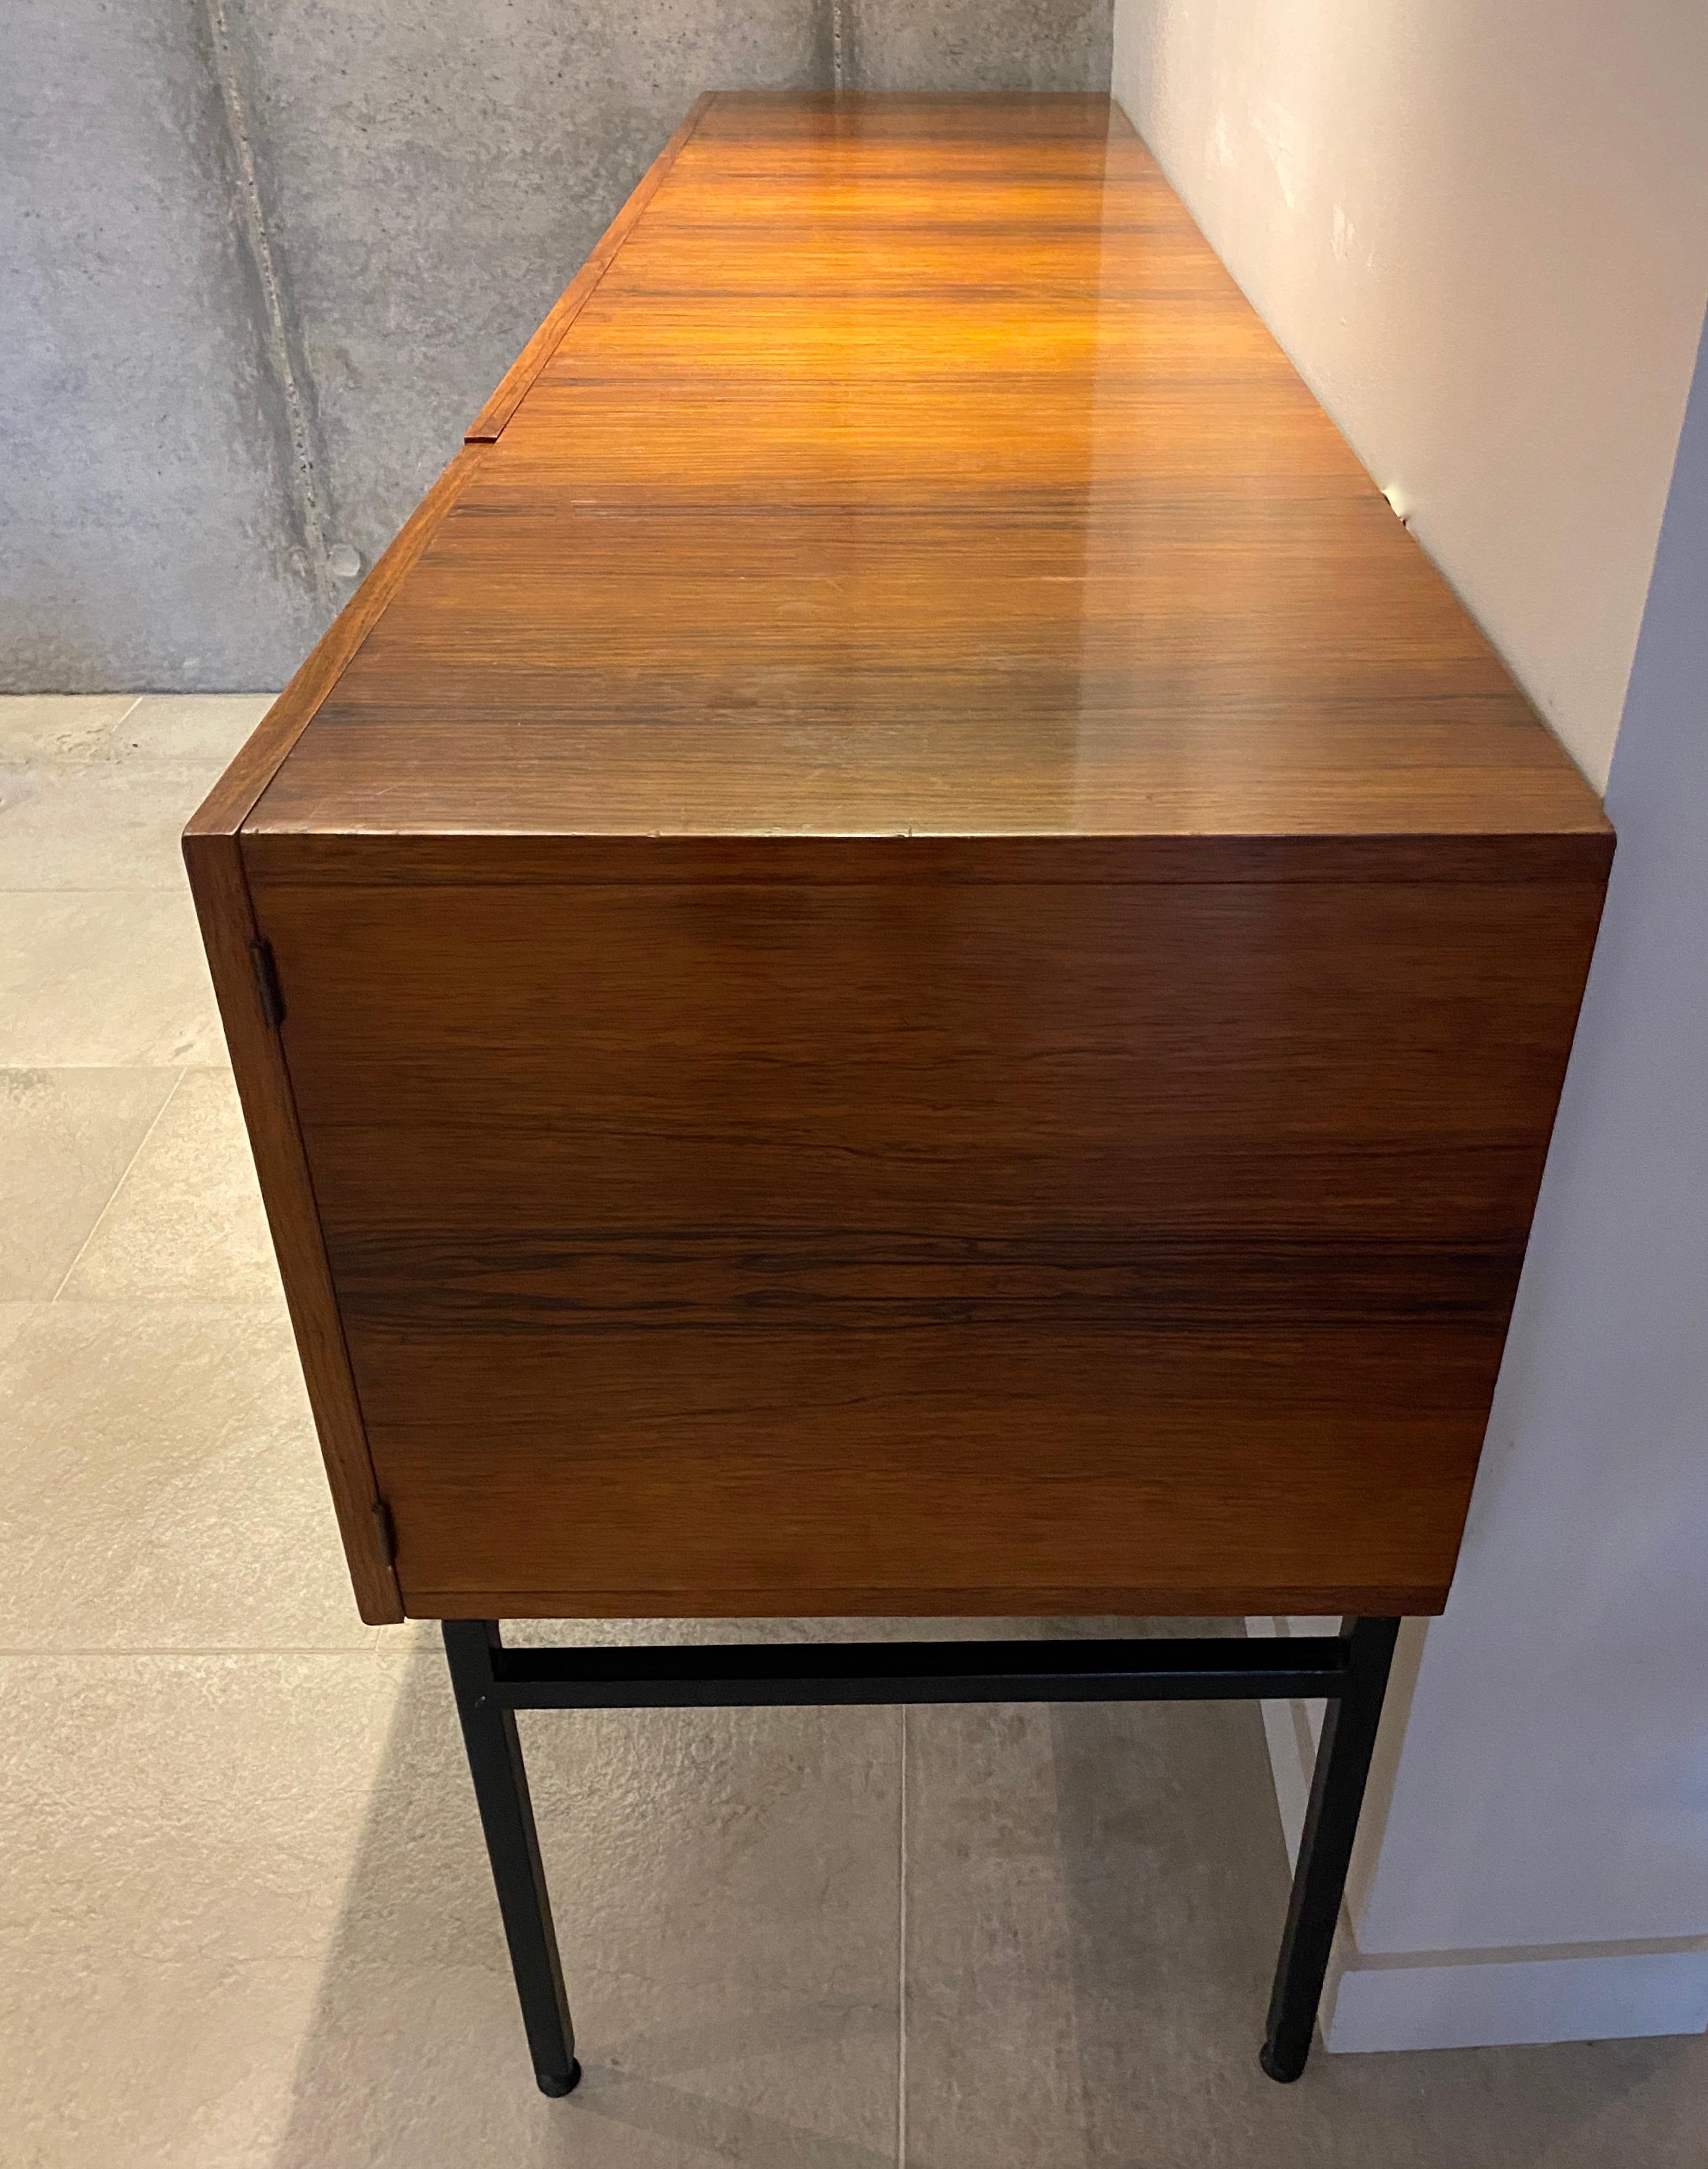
223	906
964	1470
722	1248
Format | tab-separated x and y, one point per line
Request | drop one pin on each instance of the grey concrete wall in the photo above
260	261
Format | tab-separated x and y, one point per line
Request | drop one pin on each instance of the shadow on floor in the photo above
725	1888
1094	1895
1178	1877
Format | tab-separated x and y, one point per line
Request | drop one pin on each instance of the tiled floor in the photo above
246	1918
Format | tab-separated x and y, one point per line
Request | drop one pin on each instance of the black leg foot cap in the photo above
1282	2069
550	2083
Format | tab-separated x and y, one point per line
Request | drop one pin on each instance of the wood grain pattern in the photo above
927	964
906	1229
228	805
968	496
488	424
213	860
874	1473
290	861
223	907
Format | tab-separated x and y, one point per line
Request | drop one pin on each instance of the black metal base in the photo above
492	1683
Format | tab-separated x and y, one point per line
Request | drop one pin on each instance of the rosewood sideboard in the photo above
904	957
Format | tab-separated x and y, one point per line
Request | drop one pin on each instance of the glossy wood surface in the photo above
914	468
214	860
225	913
930	1247
488	426
926	964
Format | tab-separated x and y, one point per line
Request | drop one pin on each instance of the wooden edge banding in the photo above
263	1085
286	858
229	804
518	380
212	853
1410	1599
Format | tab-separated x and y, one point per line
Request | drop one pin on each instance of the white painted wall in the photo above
1542	1869
1480	228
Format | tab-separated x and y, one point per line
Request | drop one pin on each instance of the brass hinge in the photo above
388	1531
267	984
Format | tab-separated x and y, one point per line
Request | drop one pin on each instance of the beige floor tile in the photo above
13	1318
116	980
187	1222
725	1886
192	726
115	2061
1094	1897
66	1136
287	1925
188	1809
427	2070
99	824
163	1486
60	725
179	1840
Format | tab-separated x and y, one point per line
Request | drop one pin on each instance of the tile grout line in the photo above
901	1958
125	1176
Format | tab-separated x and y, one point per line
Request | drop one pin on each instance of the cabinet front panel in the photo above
963	1247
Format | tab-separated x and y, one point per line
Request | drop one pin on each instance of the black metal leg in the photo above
1349	1669
1325	1846
512	1845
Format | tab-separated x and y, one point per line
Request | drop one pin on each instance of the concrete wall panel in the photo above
979	44
433	175
145	535
262	263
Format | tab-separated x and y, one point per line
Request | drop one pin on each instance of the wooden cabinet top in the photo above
911	469
903	956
